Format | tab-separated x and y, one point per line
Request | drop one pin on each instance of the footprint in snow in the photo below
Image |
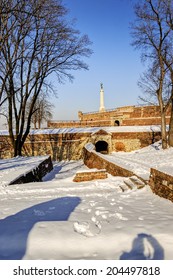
101	212
92	204
51	208
82	228
39	213
120	216
97	223
87	229
112	203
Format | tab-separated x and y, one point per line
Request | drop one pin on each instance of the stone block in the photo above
90	175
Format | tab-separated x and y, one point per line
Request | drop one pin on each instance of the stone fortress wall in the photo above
68	144
65	140
122	129
122	116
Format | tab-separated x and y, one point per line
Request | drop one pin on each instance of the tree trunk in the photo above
170	134
162	114
163	130
17	147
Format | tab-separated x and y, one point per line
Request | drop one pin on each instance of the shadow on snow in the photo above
144	247
14	229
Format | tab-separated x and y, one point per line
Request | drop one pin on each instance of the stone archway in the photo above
101	147
102	140
117	123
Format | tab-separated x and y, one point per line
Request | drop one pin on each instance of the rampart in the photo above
67	144
123	116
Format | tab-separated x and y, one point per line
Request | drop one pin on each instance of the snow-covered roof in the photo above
111	129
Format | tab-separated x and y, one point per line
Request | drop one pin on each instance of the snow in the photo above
140	161
13	168
88	170
90	147
151	128
61	219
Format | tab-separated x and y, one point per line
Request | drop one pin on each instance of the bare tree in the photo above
7	10
149	82
42	111
152	34
155	86
37	41
168	59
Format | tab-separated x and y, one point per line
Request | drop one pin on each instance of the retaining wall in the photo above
36	174
161	184
93	160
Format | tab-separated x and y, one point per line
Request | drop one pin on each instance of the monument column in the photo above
102	107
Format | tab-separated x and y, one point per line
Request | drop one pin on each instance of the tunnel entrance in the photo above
117	123
102	147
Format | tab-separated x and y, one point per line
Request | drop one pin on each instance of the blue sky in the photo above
114	61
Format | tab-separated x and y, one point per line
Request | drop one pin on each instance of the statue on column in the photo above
102	107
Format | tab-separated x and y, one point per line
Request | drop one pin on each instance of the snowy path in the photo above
141	161
60	219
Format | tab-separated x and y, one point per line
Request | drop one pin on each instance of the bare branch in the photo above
36	41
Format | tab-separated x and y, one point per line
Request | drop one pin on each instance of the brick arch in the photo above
103	136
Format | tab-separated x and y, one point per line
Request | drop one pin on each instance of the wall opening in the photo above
117	123
102	147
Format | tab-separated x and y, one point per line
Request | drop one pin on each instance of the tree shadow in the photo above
14	229
144	247
52	174
11	163
54	144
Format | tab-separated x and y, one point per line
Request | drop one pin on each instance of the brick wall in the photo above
94	160
98	122
144	121
133	140
129	115
69	146
161	184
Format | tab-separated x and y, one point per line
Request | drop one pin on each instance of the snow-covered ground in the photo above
61	219
140	161
11	169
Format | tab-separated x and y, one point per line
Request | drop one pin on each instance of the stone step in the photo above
132	183
124	187
138	182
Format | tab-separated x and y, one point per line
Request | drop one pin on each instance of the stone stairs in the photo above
132	183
